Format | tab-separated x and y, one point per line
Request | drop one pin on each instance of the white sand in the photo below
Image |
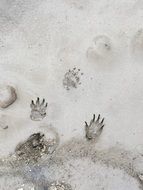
41	40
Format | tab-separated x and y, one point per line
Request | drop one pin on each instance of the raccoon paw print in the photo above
95	127
38	110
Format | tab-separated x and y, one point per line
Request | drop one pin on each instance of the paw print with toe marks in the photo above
72	78
95	127
38	110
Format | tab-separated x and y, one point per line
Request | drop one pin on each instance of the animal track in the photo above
73	162
38	110
34	147
72	78
100	48
94	129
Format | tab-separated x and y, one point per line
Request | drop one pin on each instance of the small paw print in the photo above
95	127
38	110
72	78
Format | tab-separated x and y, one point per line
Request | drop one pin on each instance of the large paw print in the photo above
72	78
32	148
38	110
95	127
35	146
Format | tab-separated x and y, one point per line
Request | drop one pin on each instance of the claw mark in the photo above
38	110
95	127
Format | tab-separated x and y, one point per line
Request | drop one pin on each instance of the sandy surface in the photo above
40	41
